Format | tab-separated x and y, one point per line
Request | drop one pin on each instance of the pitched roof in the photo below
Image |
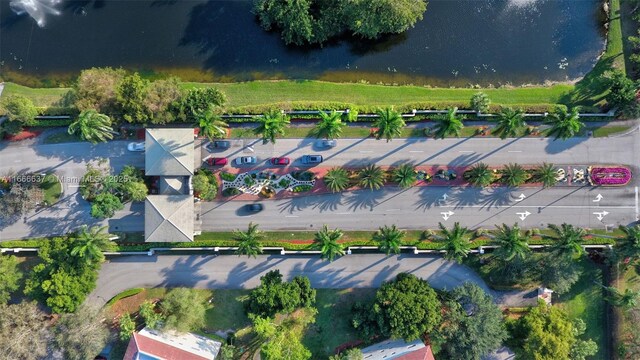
169	152
398	350
153	344
168	218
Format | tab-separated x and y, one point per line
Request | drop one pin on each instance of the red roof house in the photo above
149	344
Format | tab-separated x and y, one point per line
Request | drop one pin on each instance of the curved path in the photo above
233	272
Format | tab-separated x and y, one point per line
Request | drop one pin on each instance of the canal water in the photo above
459	42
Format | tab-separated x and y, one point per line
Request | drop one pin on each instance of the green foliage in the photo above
546	333
131	94
127	327
136	190
327	241
627	299
10	277
457	244
389	239
629	245
405	175
479	175
302	188
372	19
249	241
95	89
405	308
389	124
275	296
92	126
283	340
351	354
161	100
473	324
480	102
90	242
559	274
509	123
448	125
567	242
227	352
83	334
513	175
22	331
371	176
205	186
61	280
211	124
124	294
271	125
201	99
231	192
622	90
337	179
19	109
512	244
545	174
564	124
184	310
227	176
105	206
329	126
152	319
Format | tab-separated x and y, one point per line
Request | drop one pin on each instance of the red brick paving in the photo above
23	135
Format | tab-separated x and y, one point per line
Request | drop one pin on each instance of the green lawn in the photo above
61	137
227	312
52	188
44	97
333	322
586	301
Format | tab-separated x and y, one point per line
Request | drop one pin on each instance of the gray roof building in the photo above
168	218
169	152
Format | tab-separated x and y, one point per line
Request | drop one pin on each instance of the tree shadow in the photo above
467	196
364	199
498	197
327	202
431	196
174	276
294	204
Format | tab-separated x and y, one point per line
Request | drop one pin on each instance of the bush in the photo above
231	192
302	188
284	183
227	176
303	176
124	294
274	296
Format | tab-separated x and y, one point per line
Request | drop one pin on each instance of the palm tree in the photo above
337	179
405	175
627	299
389	124
567	241
512	243
271	125
457	244
330	125
546	174
327	241
448	125
629	245
564	124
249	241
510	123
90	242
211	124
513	175
389	239
479	175
371	177
92	126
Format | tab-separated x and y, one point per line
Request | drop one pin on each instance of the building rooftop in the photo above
154	344
168	218
169	152
398	350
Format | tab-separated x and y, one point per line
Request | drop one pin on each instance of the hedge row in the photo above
124	294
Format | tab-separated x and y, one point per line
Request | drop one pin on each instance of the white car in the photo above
246	160
135	146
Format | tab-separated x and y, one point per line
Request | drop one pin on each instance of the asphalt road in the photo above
232	272
419	207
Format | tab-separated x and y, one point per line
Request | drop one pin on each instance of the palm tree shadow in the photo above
296	204
498	197
363	199
328	202
467	196
431	196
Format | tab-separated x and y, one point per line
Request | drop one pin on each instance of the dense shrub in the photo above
274	296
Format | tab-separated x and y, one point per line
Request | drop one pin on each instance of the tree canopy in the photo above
81	335
275	296
22	330
184	310
10	277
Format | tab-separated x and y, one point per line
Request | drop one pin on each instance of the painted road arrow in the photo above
523	215
521	197
598	198
447	215
601	215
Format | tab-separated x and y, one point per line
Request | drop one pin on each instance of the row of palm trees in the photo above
510	175
94	127
511	242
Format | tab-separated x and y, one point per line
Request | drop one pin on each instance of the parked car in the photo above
136	146
246	160
280	161
218	145
312	159
254	208
327	144
217	161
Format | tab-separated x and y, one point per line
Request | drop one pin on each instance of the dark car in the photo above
216	161
280	161
254	208
218	145
312	159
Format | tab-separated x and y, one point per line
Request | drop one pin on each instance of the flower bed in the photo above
609	176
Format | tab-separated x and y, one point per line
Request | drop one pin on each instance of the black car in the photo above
218	145
254	208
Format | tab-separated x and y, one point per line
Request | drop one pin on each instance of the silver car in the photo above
312	159
327	144
246	160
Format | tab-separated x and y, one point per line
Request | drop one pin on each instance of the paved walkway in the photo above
233	272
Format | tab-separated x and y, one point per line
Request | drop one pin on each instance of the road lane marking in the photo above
465	151
393	210
291	216
343	213
523	215
515	151
365	151
416	151
533	206
17	161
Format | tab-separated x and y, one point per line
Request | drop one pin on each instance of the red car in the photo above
280	161
214	161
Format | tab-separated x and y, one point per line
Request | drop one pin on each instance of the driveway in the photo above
233	272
